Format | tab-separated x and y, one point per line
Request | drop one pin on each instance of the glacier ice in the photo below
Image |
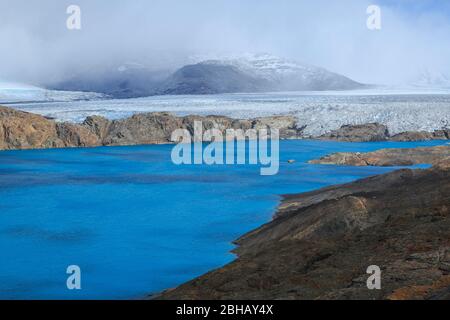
320	112
11	92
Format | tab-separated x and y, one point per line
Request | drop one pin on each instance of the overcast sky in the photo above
35	44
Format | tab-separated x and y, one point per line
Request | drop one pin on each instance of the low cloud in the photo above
37	47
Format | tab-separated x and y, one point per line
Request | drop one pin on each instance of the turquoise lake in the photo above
136	223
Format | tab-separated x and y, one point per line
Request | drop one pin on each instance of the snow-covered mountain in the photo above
269	67
253	73
206	75
17	92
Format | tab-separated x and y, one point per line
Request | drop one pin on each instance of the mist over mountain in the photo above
429	79
38	48
250	73
128	80
205	78
253	73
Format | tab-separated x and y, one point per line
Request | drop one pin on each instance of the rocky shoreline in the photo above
378	132
320	243
387	157
23	130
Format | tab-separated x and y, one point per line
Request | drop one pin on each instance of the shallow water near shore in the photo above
136	223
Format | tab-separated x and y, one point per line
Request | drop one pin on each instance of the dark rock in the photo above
443	134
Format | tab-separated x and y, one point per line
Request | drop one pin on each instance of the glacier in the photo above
11	92
400	109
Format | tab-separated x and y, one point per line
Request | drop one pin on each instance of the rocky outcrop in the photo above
147	128
286	125
387	157
421	135
443	134
73	135
413	136
154	128
98	126
321	243
22	130
378	132
361	133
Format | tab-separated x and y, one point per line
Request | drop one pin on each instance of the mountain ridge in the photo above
259	73
250	73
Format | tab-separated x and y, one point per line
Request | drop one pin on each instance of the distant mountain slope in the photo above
205	78
291	75
129	80
251	73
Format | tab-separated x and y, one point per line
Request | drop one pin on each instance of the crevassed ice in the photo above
319	111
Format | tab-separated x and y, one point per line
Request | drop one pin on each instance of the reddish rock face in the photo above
22	130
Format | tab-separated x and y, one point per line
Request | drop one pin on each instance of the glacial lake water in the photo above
136	223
